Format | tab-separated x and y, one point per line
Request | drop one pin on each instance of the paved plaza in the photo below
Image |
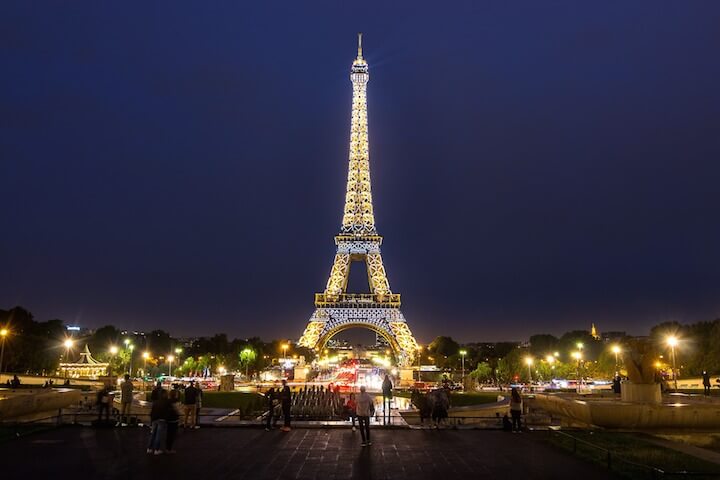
219	453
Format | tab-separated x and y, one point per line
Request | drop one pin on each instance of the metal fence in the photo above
615	462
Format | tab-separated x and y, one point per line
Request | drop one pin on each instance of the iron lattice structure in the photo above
336	309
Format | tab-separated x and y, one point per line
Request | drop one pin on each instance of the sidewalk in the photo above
81	452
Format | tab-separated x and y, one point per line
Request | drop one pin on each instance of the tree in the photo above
483	372
543	344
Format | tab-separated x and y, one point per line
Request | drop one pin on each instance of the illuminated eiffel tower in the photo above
358	241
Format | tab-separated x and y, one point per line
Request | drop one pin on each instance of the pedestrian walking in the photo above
126	399
365	409
190	405
286	402
172	419
158	423
387	391
706	382
516	404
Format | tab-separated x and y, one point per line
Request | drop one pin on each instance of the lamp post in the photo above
577	356
529	362
113	351
462	359
419	354
145	356
68	343
170	360
246	357
672	342
3	334
130	347
616	350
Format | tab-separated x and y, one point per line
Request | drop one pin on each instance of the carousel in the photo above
86	367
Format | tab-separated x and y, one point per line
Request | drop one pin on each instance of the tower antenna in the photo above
359	44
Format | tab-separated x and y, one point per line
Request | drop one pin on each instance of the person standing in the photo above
365	409
103	403
126	399
190	405
352	410
387	391
706	382
172	418
515	409
286	401
155	393
270	404
158	423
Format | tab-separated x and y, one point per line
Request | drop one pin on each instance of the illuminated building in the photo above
358	241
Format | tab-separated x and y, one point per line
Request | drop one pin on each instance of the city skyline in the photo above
201	196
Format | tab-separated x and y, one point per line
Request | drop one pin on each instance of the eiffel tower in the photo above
358	241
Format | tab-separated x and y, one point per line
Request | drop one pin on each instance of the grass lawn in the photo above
633	448
464	399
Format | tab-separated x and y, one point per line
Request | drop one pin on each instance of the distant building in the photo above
613	336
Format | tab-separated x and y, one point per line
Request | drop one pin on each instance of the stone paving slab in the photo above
214	454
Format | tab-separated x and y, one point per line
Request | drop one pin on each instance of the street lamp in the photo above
616	350
145	356
672	342
246	354
419	354
550	359
113	351
68	343
285	349
170	359
130	347
3	334
462	358
529	362
577	356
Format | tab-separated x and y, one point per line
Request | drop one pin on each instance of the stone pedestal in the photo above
407	377
301	374
640	392
227	382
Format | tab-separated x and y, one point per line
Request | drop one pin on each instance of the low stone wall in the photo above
618	414
18	403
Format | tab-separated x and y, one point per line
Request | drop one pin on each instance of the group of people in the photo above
166	412
359	408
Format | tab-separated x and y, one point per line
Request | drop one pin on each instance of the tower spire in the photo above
358	217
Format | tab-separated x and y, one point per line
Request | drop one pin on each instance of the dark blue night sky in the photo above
537	166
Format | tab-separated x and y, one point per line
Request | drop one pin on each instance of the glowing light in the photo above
146	355
550	359
672	341
126	342
576	355
529	360
113	350
68	343
463	352
3	332
171	358
580	345
178	351
616	349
